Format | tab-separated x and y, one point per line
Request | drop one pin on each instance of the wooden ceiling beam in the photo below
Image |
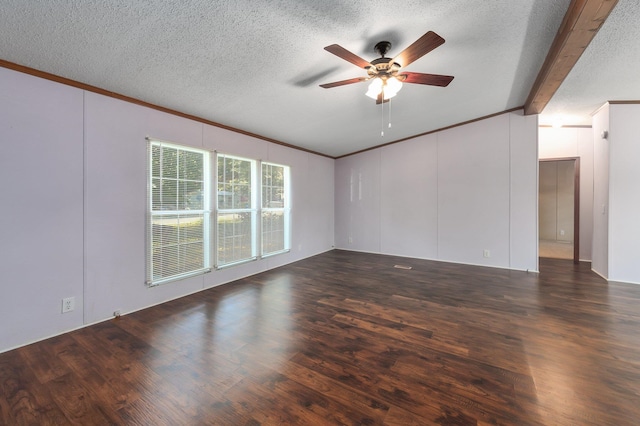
579	26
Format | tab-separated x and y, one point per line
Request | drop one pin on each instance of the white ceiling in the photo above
609	70
256	65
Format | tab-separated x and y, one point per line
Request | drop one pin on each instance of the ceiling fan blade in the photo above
430	79
347	56
343	82
418	49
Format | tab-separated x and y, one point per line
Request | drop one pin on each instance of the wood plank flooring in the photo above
555	249
346	338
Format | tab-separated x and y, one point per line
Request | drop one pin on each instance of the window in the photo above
275	209
178	220
236	210
252	211
242	198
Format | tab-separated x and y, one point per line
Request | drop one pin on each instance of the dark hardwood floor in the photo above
346	338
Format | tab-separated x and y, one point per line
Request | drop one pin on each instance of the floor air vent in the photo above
402	266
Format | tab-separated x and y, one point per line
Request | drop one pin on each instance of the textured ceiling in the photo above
608	70
256	65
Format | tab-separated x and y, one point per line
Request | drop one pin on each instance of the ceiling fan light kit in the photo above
387	87
384	73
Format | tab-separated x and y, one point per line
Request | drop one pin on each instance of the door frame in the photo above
576	202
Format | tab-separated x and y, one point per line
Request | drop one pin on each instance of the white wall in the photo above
556	200
600	250
41	213
574	142
357	202
446	196
409	175
77	205
473	192
523	146
624	193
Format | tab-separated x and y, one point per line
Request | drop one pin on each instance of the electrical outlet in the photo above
350	240
486	253
562	232
68	304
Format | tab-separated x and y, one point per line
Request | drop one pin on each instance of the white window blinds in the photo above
236	210
179	212
275	209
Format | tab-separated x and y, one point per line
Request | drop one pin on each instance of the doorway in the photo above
559	208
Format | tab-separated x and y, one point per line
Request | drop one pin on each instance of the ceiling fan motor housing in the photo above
383	67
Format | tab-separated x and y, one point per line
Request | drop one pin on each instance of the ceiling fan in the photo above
384	73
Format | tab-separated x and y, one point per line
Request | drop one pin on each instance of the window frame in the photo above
252	210
285	209
153	213
210	212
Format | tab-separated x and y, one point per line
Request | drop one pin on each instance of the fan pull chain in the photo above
382	119
389	113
